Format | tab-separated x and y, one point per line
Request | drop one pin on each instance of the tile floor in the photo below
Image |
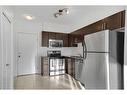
46	82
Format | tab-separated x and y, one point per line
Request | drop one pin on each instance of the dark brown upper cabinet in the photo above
78	38
71	41
59	36
112	22
65	40
123	18
53	35
64	37
45	39
74	39
115	21
97	26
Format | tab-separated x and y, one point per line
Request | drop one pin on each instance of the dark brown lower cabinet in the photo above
70	66
44	66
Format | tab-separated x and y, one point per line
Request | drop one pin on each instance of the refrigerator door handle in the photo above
84	50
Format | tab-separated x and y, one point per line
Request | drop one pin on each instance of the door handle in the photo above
7	64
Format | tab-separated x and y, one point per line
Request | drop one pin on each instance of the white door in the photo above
6	52
27	53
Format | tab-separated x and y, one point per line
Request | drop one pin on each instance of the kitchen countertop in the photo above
64	56
47	82
74	57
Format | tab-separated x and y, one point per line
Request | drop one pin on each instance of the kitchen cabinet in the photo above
78	38
70	66
65	40
97	26
74	39
53	35
45	39
94	27
59	36
44	66
123	19
114	21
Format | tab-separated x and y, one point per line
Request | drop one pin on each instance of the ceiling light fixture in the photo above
29	17
61	12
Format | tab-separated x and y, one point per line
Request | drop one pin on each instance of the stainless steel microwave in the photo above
55	43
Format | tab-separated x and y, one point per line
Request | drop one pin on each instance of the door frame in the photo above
36	58
5	12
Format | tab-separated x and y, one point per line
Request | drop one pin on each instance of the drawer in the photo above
45	67
70	66
45	73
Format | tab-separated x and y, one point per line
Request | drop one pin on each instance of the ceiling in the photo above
76	14
45	13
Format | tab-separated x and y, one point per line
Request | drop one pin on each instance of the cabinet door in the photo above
95	27
70	67
78	38
123	18
113	22
45	39
52	35
65	40
44	66
59	36
72	41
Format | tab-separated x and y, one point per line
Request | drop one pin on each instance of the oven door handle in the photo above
52	63
61	62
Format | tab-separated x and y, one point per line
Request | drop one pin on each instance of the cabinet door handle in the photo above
104	26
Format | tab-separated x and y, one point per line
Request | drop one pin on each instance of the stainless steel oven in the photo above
56	63
55	43
57	66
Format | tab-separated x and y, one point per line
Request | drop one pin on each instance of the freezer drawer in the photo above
94	73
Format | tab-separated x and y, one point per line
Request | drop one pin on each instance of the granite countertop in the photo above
59	57
47	82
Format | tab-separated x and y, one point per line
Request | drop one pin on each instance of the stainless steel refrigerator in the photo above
103	60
